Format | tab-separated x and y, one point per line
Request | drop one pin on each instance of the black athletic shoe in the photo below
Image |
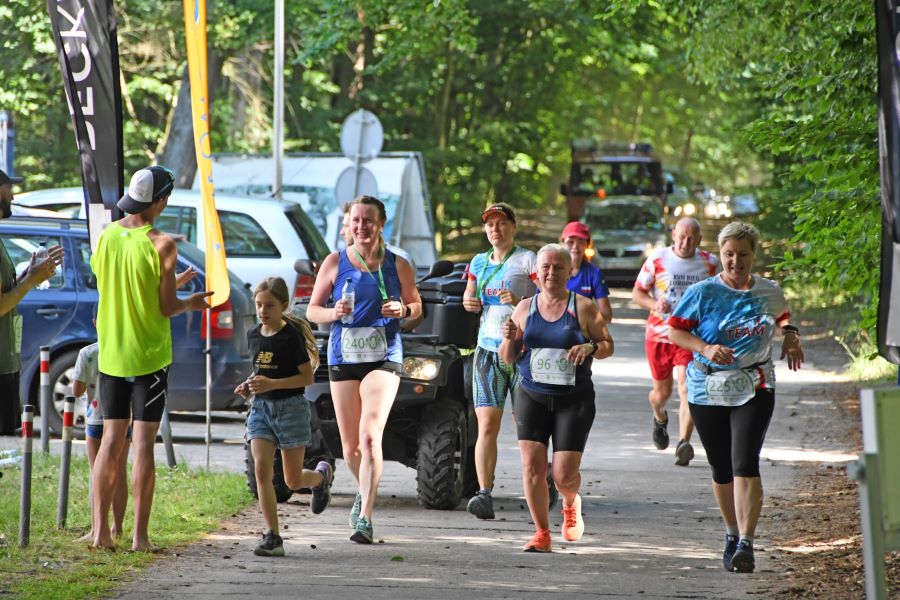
743	561
684	453
321	495
661	434
271	544
731	543
481	505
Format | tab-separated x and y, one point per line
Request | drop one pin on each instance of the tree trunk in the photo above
178	150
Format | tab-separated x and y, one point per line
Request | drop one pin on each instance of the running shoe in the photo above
354	512
551	487
731	543
573	524
321	495
661	434
363	533
743	561
481	505
684	453
271	544
540	542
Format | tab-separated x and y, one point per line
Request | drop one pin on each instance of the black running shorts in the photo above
140	398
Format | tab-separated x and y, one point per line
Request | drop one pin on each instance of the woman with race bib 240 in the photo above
498	280
729	321
365	353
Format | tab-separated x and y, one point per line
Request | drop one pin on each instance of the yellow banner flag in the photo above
195	32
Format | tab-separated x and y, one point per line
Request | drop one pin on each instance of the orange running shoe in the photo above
540	542
573	524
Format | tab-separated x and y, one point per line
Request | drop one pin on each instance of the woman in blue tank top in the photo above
365	353
553	338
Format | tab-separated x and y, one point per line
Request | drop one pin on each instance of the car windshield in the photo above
617	178
621	216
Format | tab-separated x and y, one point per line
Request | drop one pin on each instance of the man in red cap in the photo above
12	290
665	276
587	278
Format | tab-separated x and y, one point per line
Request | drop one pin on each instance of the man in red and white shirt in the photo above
666	274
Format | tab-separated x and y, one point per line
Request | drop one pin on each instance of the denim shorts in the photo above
96	431
285	422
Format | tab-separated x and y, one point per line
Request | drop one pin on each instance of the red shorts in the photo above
664	357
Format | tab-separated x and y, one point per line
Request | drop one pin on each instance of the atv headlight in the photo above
416	367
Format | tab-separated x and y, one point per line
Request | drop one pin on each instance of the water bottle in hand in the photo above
348	295
40	256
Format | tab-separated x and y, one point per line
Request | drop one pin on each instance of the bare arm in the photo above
169	302
471	302
36	274
317	312
593	327
260	384
78	388
605	309
409	294
643	299
716	353
513	330
790	346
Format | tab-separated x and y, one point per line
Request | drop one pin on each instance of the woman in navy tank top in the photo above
553	338
365	353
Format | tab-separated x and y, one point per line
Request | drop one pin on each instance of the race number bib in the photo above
17	333
550	365
363	344
495	316
733	387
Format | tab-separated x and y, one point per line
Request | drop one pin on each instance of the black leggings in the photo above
567	418
733	435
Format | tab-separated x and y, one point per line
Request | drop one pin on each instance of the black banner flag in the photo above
85	36
887	20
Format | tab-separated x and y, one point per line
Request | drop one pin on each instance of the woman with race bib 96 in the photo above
553	339
728	321
365	353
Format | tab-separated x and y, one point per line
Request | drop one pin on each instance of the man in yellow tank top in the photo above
135	268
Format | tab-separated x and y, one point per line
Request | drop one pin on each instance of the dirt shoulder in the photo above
815	531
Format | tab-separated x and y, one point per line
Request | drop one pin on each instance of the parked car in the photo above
59	316
263	236
625	232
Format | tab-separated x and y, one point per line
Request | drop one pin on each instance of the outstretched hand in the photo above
183	278
197	301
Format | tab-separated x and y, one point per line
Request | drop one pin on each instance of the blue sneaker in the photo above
731	543
321	495
743	561
354	512
363	533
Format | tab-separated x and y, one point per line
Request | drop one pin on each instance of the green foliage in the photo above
186	506
814	78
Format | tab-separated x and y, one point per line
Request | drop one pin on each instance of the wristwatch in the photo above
407	312
594	346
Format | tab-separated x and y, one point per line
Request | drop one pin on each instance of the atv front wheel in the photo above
442	455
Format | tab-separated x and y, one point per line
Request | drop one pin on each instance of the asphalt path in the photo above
652	529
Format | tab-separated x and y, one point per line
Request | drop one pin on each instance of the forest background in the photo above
775	97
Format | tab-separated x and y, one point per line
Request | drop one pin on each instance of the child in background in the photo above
285	356
85	382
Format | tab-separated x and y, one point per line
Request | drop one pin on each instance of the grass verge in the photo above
187	505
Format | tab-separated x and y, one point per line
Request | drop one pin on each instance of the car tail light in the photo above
222	322
304	286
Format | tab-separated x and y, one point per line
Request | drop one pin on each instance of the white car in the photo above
263	237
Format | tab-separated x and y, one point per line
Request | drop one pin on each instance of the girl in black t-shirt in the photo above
285	356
